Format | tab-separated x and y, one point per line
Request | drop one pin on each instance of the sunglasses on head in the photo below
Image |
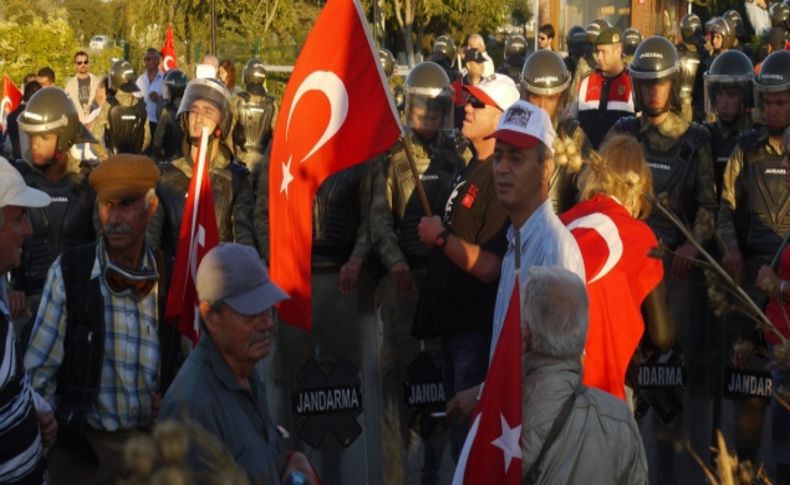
127	282
79	63
476	103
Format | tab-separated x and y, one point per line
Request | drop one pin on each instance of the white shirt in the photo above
758	17
545	241
147	87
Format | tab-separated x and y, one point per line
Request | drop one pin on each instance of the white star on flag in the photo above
508	442
287	177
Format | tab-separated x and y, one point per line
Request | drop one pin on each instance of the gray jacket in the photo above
600	442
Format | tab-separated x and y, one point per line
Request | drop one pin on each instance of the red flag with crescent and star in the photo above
620	274
12	96
337	111
169	59
197	236
492	450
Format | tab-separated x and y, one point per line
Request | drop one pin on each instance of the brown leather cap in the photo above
124	176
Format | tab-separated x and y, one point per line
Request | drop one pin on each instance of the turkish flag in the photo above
337	112
169	61
12	96
492	450
620	274
198	235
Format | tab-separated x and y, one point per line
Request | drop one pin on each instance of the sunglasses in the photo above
79	63
476	103
126	282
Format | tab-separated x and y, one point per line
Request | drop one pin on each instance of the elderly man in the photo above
21	457
218	387
100	352
597	440
82	87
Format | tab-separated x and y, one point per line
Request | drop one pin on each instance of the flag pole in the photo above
426	207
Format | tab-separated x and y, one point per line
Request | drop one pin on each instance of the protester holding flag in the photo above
100	352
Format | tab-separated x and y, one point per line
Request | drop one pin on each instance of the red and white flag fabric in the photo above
12	96
337	111
169	59
198	235
620	274
492	450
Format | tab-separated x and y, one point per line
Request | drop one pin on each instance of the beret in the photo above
609	36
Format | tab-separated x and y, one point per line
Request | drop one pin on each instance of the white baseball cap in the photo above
524	125
14	190
495	90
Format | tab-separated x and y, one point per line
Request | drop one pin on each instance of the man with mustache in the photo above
218	387
100	352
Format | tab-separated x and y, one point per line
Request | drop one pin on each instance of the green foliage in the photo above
25	48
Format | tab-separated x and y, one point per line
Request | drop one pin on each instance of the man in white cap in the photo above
21	409
469	242
217	387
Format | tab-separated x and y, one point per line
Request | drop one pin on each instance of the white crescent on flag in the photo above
169	63
607	229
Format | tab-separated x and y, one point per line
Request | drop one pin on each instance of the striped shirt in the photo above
21	457
130	365
545	241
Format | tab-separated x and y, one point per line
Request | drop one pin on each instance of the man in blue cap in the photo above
217	387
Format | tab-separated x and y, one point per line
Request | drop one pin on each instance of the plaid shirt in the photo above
131	350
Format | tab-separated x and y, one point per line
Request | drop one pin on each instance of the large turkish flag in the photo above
10	100
620	274
336	112
169	58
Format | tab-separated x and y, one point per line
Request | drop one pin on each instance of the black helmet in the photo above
691	28
444	50
631	39
655	59
51	110
544	74
387	61
428	86
779	13
254	77
734	69
175	82
122	77
736	23
576	35
718	25
595	27
515	45
208	89
774	76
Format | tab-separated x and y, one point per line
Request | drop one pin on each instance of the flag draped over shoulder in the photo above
198	235
169	59
492	450
12	96
336	112
620	274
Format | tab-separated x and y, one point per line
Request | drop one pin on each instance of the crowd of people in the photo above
566	173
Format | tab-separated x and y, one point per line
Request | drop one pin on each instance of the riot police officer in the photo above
445	54
515	52
728	96
168	136
394	216
122	123
780	15
721	36
544	82
693	59
206	103
733	17
632	37
679	156
52	124
753	218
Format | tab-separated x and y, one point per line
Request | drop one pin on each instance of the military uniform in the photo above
167	138
724	138
692	66
254	117
122	126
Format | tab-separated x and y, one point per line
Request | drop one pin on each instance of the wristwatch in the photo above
441	239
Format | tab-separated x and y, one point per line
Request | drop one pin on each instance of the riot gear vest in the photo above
336	216
66	222
168	136
438	164
673	174
253	128
722	143
126	127
765	219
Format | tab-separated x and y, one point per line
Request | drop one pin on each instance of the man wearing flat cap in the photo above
218	387
605	95
100	352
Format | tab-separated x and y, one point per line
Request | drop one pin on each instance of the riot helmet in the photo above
545	74
444	51
595	27
631	39
730	70
515	45
736	23
387	61
774	77
655	59
122	77
51	110
576	38
255	77
718	25
780	13
213	91
174	83
427	90
691	29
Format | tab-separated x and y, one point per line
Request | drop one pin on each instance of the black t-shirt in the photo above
84	90
453	301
